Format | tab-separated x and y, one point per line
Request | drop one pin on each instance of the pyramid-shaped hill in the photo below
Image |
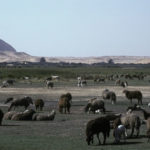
9	54
6	47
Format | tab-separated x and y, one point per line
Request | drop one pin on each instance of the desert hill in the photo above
9	54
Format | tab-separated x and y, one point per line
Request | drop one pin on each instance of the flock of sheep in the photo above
118	122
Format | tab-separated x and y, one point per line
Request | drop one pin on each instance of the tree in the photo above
42	60
110	61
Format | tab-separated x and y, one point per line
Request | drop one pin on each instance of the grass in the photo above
67	72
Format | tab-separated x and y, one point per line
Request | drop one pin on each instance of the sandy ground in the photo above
75	91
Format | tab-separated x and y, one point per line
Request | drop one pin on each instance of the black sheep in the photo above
96	126
133	95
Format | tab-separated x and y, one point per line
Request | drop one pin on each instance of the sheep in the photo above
124	84
25	101
49	84
133	95
39	104
81	82
8	115
65	103
112	117
106	94
130	121
26	115
48	117
117	82
132	108
121	83
148	128
95	105
145	113
6	83
96	126
1	116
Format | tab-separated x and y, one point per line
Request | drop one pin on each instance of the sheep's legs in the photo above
131	101
137	130
104	135
98	139
132	131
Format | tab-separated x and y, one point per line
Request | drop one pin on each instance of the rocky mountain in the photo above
9	54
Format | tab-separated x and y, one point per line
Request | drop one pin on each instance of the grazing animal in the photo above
133	95
26	115
112	117
132	108
145	113
124	84
81	82
117	82
6	83
96	126
48	117
8	115
49	84
39	104
95	105
148	105
1	116
25	101
55	77
106	94
130	121
148	128
99	79
65	103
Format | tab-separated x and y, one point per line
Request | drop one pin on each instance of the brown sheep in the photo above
133	95
25	101
65	103
50	116
95	105
106	94
39	104
1	116
96	126
26	115
129	121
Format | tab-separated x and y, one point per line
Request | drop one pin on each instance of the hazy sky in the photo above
77	27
